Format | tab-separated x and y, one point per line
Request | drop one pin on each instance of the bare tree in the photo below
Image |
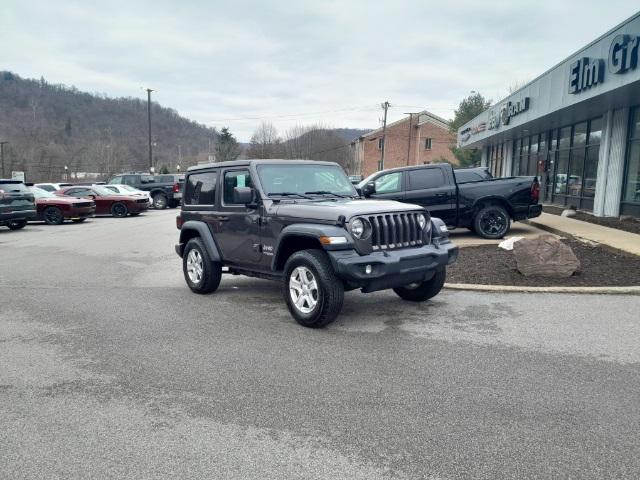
265	142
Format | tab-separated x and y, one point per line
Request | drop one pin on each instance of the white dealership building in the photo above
576	126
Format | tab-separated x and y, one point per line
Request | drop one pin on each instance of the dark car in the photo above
55	209
107	202
485	206
17	204
303	223
166	190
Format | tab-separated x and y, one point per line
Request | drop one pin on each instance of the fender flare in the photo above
314	231
204	233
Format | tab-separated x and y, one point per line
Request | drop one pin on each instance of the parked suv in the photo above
165	190
303	223
17	204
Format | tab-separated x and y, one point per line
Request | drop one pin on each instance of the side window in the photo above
201	189
147	179
426	178
116	181
129	179
389	183
79	192
232	179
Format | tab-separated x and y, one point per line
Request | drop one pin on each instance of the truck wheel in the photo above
312	290
419	292
492	222
53	216
201	274
159	201
119	210
16	224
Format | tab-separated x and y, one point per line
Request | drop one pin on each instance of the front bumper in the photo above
80	212
136	207
393	268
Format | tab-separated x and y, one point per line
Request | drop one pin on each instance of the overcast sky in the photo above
298	62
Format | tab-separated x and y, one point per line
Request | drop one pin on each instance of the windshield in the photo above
304	180
40	193
100	190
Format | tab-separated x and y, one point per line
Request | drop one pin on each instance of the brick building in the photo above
414	140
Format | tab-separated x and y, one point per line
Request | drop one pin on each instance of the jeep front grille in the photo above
395	230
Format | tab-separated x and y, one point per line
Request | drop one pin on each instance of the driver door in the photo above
390	186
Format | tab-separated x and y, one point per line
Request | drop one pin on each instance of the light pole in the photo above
2	144
66	173
149	90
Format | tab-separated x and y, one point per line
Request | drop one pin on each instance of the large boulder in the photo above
545	256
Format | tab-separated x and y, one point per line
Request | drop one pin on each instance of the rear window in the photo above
201	189
13	187
463	176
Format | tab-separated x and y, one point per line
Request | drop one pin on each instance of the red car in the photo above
107	202
54	209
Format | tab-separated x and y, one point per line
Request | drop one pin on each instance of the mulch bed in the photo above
628	224
490	265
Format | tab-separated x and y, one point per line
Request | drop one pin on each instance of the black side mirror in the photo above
369	189
242	195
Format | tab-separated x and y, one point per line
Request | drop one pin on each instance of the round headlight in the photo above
357	228
422	222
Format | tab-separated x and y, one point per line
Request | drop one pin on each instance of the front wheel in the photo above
312	291
119	210
53	216
420	292
16	224
200	272
492	222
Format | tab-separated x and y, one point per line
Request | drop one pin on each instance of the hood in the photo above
332	210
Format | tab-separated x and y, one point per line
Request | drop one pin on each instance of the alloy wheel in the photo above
195	266
303	289
493	223
53	216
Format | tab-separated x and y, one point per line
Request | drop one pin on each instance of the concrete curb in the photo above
631	290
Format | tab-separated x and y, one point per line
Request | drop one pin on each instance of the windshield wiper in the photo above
288	194
326	192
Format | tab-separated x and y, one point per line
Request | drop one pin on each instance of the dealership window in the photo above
632	178
427	143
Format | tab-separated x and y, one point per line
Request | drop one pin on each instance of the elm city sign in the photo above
587	72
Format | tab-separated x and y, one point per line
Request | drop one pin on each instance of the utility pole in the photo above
149	90
385	107
2	144
411	114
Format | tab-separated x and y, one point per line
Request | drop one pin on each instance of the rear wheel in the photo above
420	292
200	272
16	224
492	222
312	291
53	216
159	201
119	210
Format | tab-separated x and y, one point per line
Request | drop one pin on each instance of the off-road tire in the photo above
160	201
330	289
119	210
425	290
17	224
53	216
211	271
483	222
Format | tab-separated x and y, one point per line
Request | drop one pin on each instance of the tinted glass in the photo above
115	181
79	192
462	176
48	188
201	189
238	178
130	179
147	179
562	163
591	172
565	137
574	182
389	183
632	185
580	134
426	178
595	133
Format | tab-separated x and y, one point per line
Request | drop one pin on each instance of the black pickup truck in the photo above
486	206
165	190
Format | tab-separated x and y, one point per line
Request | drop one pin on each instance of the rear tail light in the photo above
176	187
535	191
179	221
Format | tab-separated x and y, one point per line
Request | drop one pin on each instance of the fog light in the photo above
368	269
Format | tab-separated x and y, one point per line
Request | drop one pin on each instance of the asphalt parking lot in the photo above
111	368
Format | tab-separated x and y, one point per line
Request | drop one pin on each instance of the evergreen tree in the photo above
227	147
